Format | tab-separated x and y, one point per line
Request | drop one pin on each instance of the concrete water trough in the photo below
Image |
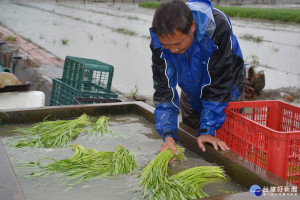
237	168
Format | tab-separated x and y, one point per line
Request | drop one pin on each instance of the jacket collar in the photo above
203	16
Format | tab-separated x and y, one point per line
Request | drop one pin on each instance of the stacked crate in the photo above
82	77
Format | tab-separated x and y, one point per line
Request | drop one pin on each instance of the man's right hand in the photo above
169	143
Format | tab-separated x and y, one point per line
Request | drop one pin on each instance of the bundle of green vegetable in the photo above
49	134
158	184
156	173
86	165
188	184
100	130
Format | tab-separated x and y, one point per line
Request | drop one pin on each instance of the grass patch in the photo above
126	31
275	49
248	36
91	37
148	37
64	41
10	38
284	15
254	60
132	18
149	4
134	93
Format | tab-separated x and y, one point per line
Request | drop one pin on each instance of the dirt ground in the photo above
281	94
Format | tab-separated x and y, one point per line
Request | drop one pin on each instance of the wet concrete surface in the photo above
10	188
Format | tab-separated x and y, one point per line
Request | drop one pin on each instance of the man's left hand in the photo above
216	142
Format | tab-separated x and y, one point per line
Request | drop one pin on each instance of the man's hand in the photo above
213	140
169	143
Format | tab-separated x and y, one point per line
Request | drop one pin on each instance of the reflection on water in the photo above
118	34
143	142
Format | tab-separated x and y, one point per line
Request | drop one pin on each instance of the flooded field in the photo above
118	34
142	141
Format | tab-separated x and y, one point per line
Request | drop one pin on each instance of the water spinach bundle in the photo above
100	131
153	176
50	134
88	164
159	182
59	133
189	183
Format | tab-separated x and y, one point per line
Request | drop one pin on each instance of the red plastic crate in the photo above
266	133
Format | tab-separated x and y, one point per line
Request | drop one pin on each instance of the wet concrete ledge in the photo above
9	185
248	196
237	167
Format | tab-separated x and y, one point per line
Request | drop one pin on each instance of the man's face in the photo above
178	43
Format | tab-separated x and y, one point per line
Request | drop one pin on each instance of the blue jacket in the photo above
210	73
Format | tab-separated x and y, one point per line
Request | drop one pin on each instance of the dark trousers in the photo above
189	116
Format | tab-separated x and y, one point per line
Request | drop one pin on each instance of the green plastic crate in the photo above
4	69
87	74
63	94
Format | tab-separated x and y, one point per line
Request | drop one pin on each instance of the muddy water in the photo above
144	143
94	30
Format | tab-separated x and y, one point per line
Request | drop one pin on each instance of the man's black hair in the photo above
171	16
